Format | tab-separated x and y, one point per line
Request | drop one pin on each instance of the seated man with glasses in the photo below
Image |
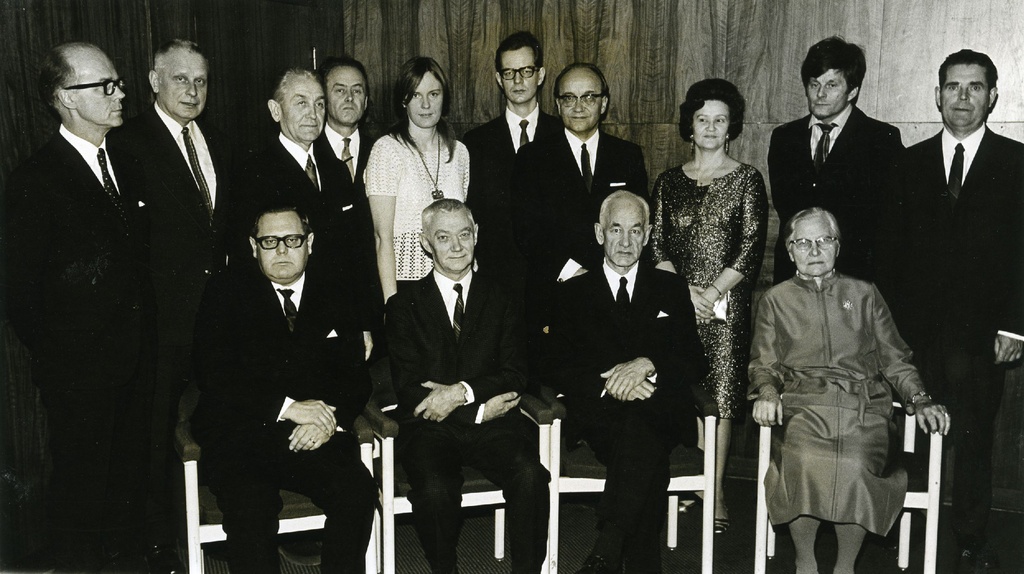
558	185
280	363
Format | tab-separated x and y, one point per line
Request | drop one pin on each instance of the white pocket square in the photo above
617	184
347	207
142	204
332	334
662	314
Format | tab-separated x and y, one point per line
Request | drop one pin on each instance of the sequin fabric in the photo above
702	230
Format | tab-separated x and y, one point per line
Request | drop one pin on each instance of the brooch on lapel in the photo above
848	305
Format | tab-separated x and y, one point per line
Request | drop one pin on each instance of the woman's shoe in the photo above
721	525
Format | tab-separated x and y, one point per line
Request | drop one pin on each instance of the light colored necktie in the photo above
346	157
311	172
193	160
524	138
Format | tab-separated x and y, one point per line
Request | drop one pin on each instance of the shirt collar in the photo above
295	287
576	144
513	121
839	121
971	143
337	141
613	277
296	151
83	147
172	125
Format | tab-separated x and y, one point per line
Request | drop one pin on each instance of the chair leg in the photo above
192	542
710	451
544	447
366	455
388	503
931	536
499	533
673	521
764	537
903	556
554	463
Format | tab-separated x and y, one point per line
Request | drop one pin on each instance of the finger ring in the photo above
947	415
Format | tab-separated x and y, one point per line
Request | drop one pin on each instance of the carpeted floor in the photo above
734	550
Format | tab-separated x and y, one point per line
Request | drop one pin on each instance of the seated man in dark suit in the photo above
280	363
623	351
458	360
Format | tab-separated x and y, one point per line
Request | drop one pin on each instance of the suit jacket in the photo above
340	217
848	185
959	267
79	295
589	334
247	361
186	246
366	141
490	354
492	156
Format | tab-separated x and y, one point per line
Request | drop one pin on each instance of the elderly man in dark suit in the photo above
519	73
951	254
294	171
623	350
558	185
80	299
280	364
836	158
458	361
187	163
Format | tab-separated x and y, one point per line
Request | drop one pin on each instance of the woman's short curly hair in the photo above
708	90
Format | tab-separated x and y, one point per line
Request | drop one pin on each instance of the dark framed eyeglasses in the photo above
268	242
108	86
525	72
569	100
804	245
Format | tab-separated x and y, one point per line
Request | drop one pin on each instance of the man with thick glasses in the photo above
280	366
79	298
519	72
558	186
190	158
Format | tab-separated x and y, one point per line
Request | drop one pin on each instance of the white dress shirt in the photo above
202	150
337	142
89	153
840	123
300	155
514	129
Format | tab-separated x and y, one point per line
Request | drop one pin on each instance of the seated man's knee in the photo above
436	490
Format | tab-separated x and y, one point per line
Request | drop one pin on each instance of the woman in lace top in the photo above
417	162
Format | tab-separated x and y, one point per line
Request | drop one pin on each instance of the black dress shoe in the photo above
598	565
978	559
164	560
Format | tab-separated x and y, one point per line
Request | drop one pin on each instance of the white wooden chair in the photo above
691	470
927	500
203	519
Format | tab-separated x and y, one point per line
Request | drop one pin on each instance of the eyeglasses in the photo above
269	242
108	86
525	72
569	100
804	245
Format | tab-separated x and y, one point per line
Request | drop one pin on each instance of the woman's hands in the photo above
704	303
768	406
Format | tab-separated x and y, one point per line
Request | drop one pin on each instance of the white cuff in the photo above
568	270
470	398
1010	335
287	403
480	414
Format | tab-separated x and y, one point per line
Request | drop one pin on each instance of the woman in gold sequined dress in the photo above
710	222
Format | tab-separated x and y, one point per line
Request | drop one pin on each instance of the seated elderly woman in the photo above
824	359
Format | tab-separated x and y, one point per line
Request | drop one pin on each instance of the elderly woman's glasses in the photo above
108	86
268	242
569	100
804	245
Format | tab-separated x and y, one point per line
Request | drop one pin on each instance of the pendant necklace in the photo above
436	193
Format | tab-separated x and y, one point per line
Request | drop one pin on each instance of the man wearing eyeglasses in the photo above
558	186
279	361
519	73
80	299
951	266
189	159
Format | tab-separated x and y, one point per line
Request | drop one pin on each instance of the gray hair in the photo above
177	44
444	205
289	76
623	194
811	213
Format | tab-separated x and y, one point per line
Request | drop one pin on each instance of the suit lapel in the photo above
475	303
165	146
980	165
433	307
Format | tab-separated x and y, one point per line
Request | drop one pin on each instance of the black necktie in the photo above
311	172
193	160
346	156
290	312
109	188
588	175
821	151
956	173
459	311
622	297
524	138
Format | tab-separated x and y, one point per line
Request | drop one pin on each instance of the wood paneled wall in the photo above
651	51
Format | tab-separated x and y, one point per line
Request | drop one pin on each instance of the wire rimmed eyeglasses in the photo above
108	86
268	242
569	100
825	242
525	72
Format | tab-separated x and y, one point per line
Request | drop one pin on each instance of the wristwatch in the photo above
918	395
